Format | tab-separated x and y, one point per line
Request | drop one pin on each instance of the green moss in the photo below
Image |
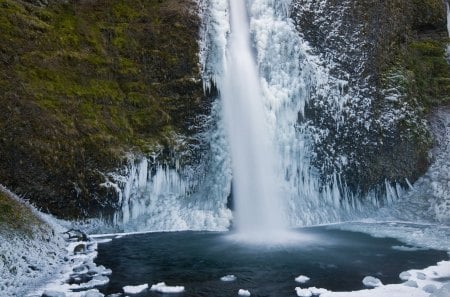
431	72
84	82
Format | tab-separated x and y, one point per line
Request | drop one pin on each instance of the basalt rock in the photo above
391	57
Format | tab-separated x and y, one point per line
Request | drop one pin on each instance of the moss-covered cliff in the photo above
82	83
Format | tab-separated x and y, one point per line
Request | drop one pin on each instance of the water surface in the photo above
333	259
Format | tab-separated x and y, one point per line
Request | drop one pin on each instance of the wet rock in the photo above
79	249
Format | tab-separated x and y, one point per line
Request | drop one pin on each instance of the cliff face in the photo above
84	83
390	56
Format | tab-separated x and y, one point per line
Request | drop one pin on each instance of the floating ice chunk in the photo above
228	278
163	288
370	281
243	292
303	292
411	283
135	289
302	279
405	275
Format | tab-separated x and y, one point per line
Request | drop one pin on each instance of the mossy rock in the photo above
83	83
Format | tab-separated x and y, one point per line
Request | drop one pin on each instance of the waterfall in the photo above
287	73
266	73
255	187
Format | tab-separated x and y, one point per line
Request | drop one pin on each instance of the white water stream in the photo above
256	189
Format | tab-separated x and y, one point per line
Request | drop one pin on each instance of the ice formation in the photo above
228	278
135	289
372	282
163	288
302	279
243	292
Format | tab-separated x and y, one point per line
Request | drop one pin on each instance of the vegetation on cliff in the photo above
82	83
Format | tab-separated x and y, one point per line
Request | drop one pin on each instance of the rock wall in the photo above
84	84
390	57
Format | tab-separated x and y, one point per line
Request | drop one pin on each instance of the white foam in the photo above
135	289
163	288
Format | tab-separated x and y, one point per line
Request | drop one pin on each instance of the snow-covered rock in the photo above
303	292
93	293
405	275
49	293
442	292
370	281
411	284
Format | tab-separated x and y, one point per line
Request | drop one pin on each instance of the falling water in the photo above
255	189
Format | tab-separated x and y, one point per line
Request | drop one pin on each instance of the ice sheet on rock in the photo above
404	248
243	292
372	282
405	275
411	283
228	278
163	288
135	289
435	282
302	279
94	293
50	293
444	291
424	235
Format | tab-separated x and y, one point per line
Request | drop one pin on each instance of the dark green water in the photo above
333	259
